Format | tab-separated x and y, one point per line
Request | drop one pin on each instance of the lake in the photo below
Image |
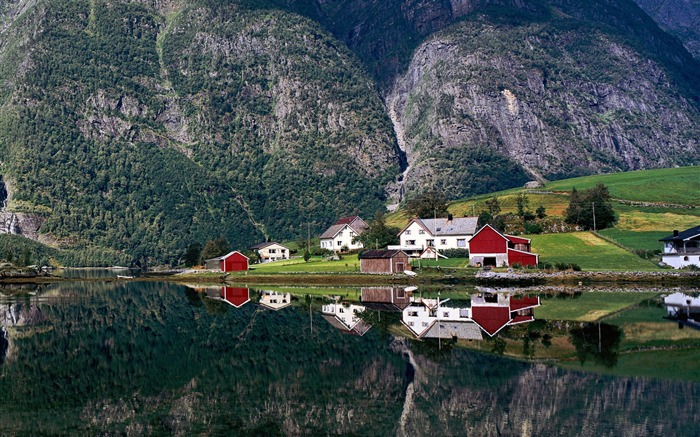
158	358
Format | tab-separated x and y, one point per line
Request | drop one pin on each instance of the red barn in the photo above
236	296
488	247
231	262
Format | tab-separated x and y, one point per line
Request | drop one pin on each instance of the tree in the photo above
214	248
192	255
378	234
522	202
307	255
541	212
591	209
427	204
493	206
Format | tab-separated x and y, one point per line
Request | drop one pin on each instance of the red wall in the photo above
525	259
234	263
488	241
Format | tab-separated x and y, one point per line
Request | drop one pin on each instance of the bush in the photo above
533	228
565	266
319	251
517	266
455	253
544	266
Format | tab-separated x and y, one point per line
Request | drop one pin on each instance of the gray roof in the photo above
456	226
334	229
448	329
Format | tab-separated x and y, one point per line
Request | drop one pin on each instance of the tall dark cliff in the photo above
145	126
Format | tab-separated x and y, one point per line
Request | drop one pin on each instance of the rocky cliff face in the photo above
679	17
535	95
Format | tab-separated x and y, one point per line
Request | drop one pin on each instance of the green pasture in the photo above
441	262
588	251
667	185
639	240
589	306
671	363
348	264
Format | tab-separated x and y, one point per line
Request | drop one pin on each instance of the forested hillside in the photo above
144	126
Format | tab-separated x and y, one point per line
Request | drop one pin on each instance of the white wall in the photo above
413	233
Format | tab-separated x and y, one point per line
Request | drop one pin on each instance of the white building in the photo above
441	233
345	317
274	300
682	248
343	234
271	251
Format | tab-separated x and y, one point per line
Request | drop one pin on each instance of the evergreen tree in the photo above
591	209
192	255
378	234
214	248
428	204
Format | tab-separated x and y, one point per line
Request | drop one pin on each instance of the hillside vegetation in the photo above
140	127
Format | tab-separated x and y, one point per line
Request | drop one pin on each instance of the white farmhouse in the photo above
343	234
440	233
271	251
682	248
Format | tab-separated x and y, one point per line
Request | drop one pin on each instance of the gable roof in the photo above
685	235
517	240
265	244
444	226
381	254
466	330
493	229
354	222
491	318
236	296
219	258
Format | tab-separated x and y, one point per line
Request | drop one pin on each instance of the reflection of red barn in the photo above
236	296
494	316
488	247
232	262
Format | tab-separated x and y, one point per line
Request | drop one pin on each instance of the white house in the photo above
342	234
682	248
441	233
271	251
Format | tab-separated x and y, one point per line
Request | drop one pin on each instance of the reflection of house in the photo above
271	251
345	317
385	298
232	262
384	261
682	248
343	233
488	247
428	318
236	296
442	233
684	308
274	300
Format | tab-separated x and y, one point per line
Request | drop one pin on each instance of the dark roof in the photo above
688	233
491	318
353	222
264	245
346	220
380	254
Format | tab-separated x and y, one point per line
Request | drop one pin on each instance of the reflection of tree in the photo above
598	341
382	321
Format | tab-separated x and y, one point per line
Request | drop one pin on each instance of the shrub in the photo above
455	253
319	251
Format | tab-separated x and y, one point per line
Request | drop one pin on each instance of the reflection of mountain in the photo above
474	394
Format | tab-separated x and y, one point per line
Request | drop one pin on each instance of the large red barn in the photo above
488	247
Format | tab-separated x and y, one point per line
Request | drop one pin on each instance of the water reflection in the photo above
149	358
345	316
683	308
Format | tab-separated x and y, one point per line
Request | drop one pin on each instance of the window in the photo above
425	324
273	251
340	243
411	242
443	242
410	323
445	314
413	314
421	232
430	243
461	242
340	234
408	232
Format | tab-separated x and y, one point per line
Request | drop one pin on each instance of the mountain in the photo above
680	18
144	126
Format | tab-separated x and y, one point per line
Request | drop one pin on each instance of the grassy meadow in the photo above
589	306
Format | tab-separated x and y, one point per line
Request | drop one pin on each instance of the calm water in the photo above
154	358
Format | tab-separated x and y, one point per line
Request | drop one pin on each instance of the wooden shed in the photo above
384	261
231	262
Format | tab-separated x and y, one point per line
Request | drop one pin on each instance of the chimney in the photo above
675	233
449	217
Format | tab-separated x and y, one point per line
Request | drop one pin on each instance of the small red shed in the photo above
232	262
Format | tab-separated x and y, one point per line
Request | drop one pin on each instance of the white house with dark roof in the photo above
342	234
440	233
682	248
271	251
345	317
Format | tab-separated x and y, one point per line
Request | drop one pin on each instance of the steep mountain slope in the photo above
145	129
679	17
500	98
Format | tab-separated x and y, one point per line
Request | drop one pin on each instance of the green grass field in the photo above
589	306
348	264
640	240
588	251
667	185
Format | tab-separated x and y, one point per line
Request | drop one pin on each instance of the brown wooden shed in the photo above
384	261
